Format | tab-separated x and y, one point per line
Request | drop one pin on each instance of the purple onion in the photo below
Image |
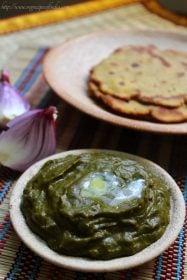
29	138
12	104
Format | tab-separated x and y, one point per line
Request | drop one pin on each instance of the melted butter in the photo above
107	188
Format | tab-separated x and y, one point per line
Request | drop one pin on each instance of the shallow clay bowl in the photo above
37	245
66	69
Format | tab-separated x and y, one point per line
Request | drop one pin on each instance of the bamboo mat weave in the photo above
44	17
22	53
76	130
130	16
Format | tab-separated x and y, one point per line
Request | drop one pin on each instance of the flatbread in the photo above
137	109
145	74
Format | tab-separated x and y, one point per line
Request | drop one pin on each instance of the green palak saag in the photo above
96	205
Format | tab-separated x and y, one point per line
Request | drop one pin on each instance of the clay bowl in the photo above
67	66
37	245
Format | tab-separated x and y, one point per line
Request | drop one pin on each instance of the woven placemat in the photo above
131	16
76	130
23	57
44	17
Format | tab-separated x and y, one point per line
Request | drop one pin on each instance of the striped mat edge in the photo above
25	264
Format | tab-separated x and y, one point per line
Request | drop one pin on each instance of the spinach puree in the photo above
96	205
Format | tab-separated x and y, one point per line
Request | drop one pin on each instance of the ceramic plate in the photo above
39	246
66	69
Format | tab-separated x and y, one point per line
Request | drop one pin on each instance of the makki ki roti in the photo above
141	110
144	73
97	205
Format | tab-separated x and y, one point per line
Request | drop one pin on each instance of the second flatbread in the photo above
137	109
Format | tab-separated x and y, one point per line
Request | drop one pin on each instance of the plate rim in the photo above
109	116
81	264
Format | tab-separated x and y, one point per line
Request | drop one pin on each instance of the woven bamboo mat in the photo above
22	53
131	16
49	15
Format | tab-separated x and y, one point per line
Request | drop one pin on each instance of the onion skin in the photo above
28	139
12	104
